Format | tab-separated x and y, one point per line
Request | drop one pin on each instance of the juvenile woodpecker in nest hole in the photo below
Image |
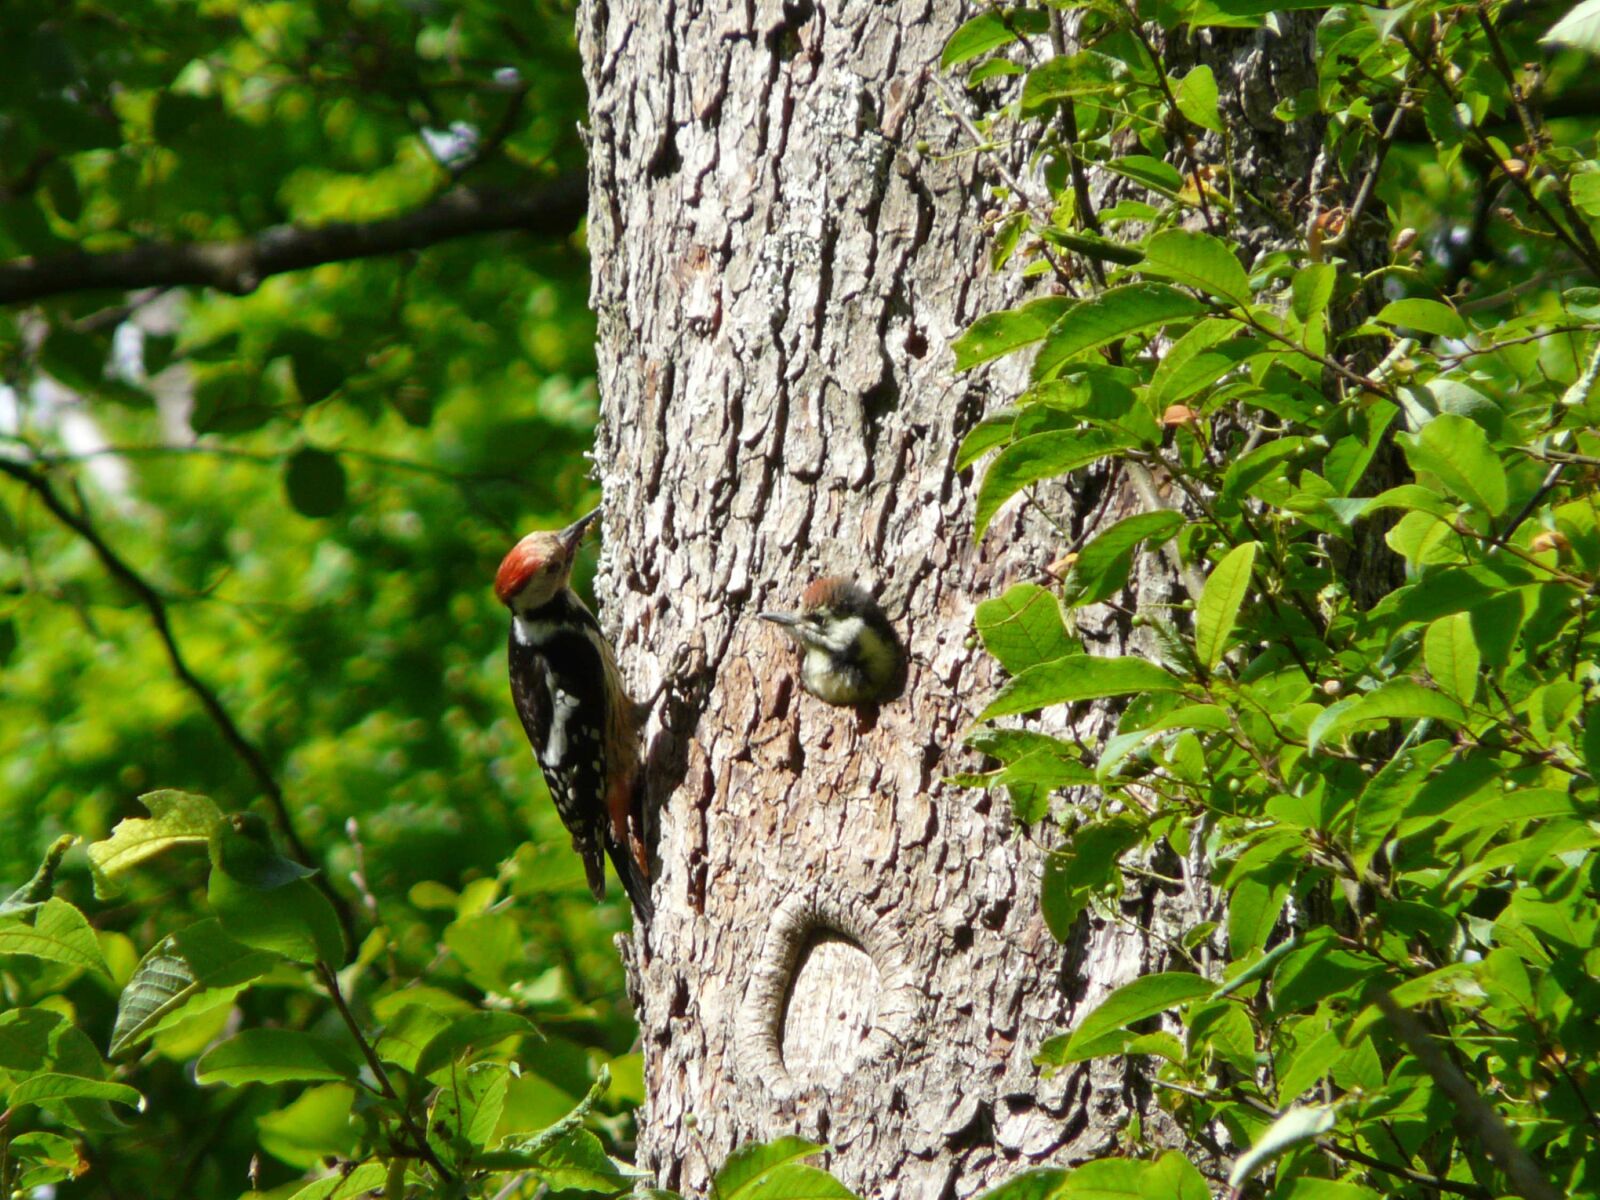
850	653
574	708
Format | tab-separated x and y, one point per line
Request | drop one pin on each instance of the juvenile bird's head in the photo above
852	654
538	566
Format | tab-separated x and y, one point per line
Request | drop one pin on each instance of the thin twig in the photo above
330	980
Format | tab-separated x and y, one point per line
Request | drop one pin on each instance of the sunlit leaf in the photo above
1218	609
989	31
176	819
1078	677
273	1056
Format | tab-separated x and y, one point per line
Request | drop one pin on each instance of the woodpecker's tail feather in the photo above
594	868
634	881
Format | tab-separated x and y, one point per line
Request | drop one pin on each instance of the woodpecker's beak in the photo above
573	534
788	622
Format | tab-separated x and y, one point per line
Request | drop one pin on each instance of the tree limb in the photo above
1472	1115
238	266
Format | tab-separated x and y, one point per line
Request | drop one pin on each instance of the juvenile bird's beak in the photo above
788	622
573	534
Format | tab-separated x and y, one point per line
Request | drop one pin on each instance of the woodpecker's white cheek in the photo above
838	636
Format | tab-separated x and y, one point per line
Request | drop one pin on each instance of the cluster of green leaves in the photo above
439	1097
1373	721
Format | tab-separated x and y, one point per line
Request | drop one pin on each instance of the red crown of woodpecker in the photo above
833	592
537	553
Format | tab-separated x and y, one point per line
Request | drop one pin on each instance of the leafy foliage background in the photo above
368	438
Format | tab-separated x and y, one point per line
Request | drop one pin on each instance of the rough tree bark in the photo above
845	946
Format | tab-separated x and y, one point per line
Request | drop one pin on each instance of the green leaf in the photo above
1093	245
1108	1179
265	901
55	931
1120	746
1197	99
296	921
1400	699
315	482
1197	360
1111	316
988	433
1586	193
49	1086
176	819
1087	864
1450	652
26	1036
228	399
1305	1188
1309	1065
361	1182
1259	969
1144	997
1388	792
1023	628
1102	567
315	1125
1312	289
1080	677
1254	905
1086	73
1245	14
1039	1183
1294	1128
1424	316
575	1161
179	968
274	1056
1580	28
1150	172
997	333
1218	609
44	1158
748	1166
1040	456
76	360
991	30
797	1181
407	1033
471	1035
1174	1177
1457	450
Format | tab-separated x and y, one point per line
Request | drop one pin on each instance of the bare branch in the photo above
238	266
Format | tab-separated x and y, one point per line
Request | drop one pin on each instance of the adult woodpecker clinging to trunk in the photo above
577	715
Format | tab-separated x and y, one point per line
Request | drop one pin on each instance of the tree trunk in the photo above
787	233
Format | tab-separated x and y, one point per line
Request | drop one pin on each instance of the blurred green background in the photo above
318	479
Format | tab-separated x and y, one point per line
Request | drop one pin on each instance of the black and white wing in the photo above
557	683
